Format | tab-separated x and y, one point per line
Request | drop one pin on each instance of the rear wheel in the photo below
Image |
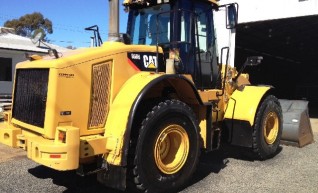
167	149
267	129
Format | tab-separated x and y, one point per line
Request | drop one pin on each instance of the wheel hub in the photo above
171	149
271	126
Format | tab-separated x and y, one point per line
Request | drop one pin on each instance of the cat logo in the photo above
150	61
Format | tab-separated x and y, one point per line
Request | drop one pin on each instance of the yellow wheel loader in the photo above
139	110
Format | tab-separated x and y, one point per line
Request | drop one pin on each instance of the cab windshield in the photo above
149	26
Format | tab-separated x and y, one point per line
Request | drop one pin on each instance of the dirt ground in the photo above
7	153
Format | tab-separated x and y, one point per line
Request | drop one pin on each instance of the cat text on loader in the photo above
139	110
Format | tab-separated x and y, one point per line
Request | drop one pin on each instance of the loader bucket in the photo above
296	126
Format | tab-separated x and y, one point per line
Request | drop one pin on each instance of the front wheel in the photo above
267	129
167	149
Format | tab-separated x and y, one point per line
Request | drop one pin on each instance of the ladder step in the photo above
21	141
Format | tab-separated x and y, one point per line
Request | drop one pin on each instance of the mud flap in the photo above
113	176
296	126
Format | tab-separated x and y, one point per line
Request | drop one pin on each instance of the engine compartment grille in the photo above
100	95
30	95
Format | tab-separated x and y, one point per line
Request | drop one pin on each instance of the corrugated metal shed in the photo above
13	48
11	41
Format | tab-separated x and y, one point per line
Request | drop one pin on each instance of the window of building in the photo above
5	69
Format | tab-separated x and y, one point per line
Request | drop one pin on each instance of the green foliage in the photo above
31	24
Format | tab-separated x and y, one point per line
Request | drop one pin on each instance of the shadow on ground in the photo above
71	181
212	162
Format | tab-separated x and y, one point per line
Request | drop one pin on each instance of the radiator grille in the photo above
100	95
30	96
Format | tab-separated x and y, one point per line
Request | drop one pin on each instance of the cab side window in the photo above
205	49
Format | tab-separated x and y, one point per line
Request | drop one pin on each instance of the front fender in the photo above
243	104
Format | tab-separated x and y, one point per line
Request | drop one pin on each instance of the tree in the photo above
31	24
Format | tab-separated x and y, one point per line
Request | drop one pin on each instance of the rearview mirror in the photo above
231	16
250	61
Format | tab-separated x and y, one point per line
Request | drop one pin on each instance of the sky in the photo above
69	18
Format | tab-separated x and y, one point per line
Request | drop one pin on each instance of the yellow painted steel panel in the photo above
40	150
243	104
117	120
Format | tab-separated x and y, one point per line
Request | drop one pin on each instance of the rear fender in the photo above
123	111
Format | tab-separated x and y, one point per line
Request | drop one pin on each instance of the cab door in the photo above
206	60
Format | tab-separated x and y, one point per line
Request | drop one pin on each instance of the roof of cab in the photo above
127	2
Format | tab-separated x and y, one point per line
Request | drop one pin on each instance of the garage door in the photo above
290	51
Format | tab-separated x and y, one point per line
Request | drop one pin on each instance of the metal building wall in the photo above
259	10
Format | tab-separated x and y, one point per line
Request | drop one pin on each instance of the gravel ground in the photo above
227	170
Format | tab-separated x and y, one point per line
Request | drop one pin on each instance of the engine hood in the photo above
82	55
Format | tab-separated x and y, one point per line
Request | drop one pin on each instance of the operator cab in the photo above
184	30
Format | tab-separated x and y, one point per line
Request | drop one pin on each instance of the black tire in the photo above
151	172
267	129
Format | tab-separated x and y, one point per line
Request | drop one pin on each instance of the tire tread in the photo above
135	181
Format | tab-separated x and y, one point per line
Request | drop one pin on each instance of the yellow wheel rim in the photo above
171	149
271	127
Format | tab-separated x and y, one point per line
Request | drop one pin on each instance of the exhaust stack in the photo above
113	34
